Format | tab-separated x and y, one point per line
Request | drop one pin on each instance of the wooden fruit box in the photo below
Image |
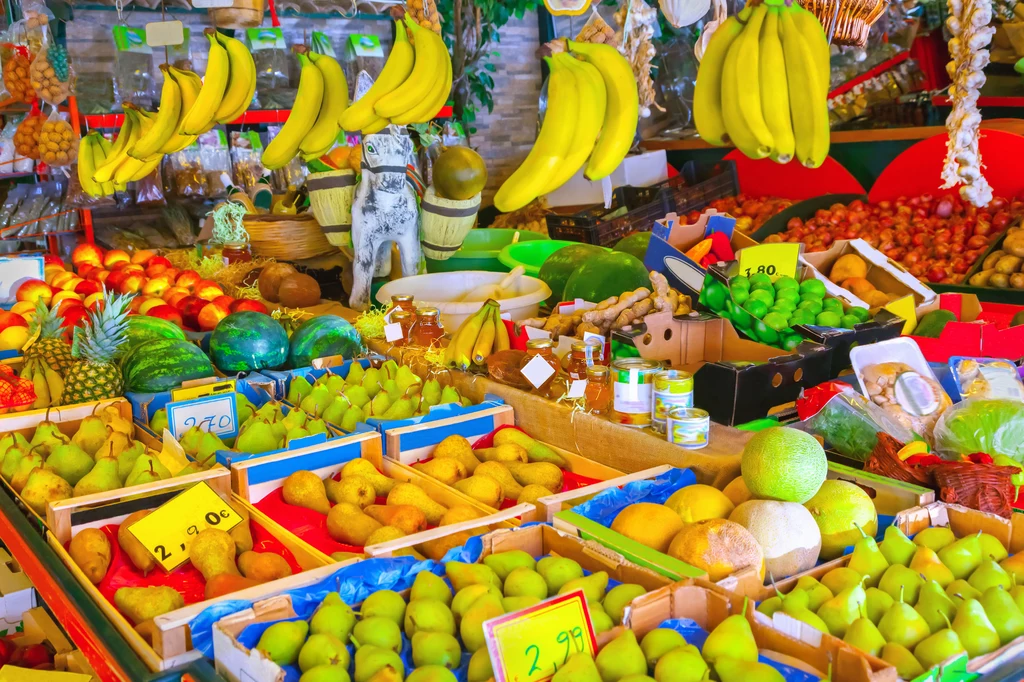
411	444
68	420
171	645
12	421
889	495
40	627
17	595
708	607
255	480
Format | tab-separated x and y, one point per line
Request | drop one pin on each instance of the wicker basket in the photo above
330	198
293	237
885	461
854	19
241	14
446	223
985	487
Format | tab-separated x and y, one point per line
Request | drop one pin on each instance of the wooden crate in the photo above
412	444
172	640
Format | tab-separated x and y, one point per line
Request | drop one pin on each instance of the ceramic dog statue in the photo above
384	211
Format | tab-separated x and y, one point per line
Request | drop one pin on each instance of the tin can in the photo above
632	390
672	388
689	427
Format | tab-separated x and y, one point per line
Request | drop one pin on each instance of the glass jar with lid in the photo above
404	302
427	329
598	393
406	320
544	349
236	252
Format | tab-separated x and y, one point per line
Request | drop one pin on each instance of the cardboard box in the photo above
884	273
172	638
735	379
708	607
412	444
40	627
17	595
638	170
980	330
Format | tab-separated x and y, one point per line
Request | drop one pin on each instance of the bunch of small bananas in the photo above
412	87
189	106
46	381
593	108
763	85
480	335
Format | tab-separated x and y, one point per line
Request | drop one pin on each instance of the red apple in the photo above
87	253
187	279
132	284
156	269
207	290
174	295
224	301
166	312
70	284
116	256
34	290
23	308
157	260
11	320
142	257
84	269
210	315
150	303
249	304
64	296
50	259
114	279
86	287
73	316
135	268
94	301
59	278
157	286
190	307
67	304
51	271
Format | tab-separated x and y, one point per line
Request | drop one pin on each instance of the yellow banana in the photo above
707	92
430	52
775	90
747	80
119	151
322	135
552	145
622	110
806	104
308	100
813	33
377	125
166	123
501	340
131	166
485	339
190	85
54	384
425	111
739	133
465	338
42	390
588	124
202	113
87	151
241	85
360	115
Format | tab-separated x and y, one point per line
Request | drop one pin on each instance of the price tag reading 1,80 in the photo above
774	260
168	531
532	644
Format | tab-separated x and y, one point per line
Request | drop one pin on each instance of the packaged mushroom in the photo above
986	378
911	398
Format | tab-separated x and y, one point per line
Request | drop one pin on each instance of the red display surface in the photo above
764	177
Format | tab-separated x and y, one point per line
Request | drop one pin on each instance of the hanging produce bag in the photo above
51	75
58	143
26	137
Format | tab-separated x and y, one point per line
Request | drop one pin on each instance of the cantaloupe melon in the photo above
783	464
653	525
737	491
699	502
718	546
786	531
838	508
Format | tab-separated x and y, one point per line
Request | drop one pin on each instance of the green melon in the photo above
162	364
142	328
558	267
635	244
248	341
322	336
838	508
605	275
783	464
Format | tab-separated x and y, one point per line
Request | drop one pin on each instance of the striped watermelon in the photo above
142	328
163	364
248	341
321	336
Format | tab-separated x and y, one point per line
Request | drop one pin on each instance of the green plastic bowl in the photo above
480	250
531	255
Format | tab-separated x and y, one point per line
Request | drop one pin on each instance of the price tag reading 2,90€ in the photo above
532	644
168	531
214	413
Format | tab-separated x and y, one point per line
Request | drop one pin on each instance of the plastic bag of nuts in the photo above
17	65
425	13
26	137
58	144
51	74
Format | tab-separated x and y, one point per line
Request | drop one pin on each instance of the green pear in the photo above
976	631
935	538
189	440
431	392
771	605
681	664
867	559
524	582
42	487
391	388
599	618
461	574
350	419
961	590
449	395
794	605
1006	618
92	432
659	642
406	379
1017	592
732	670
335	383
903	625
989	574
472	626
926	563
896	655
257	439
317	426
355	374
863	634
12	458
325	673
732	638
436	648
322	649
295	419
992	548
371	382
370	659
47	436
619	597
939	647
385	604
379	632
465	597
335	412
896	547
963	556
593	586
30	462
298	389
147	469
513	604
209	445
480	667
934	605
333	617
103	477
840	579
70	462
357	396
504	563
817	594
399	409
840	611
388	370
876	603
430	586
283	641
125	463
621	658
557	571
428	615
579	667
899	582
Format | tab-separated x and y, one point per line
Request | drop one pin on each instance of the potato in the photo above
980	279
1008	265
999	280
1014	244
1017	280
992	259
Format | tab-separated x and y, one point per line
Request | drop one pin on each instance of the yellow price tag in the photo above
203	390
168	531
774	260
532	644
905	308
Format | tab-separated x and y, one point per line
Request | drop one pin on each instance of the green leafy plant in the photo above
472	28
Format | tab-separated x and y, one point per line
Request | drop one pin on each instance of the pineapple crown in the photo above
105	332
45	321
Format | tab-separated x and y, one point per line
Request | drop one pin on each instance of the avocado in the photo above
1018	319
932	324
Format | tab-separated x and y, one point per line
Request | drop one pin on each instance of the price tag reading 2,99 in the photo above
532	644
169	529
774	260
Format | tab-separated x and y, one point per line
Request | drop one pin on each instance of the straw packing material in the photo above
293	237
330	198
446	222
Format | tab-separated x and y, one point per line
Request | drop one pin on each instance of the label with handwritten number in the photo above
169	529
214	413
532	644
15	271
201	390
774	260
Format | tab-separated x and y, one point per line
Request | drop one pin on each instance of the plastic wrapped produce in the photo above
26	137
133	80
995	427
51	74
58	144
848	421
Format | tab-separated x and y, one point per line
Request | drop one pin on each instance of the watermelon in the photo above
321	336
635	244
556	269
606	275
248	341
162	364
142	328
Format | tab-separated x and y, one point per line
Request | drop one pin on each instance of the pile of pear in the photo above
516	468
729	654
364	507
102	455
388	393
441	621
916	603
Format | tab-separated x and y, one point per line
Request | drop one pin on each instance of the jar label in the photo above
915	395
632	398
537	371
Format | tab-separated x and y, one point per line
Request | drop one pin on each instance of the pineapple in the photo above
96	374
50	347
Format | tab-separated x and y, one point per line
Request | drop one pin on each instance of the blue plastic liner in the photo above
606	505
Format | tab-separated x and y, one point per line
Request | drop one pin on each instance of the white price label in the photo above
537	371
211	4
577	389
14	272
393	332
534	333
161	33
216	413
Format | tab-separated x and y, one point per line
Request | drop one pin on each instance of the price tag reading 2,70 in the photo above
532	644
774	260
214	413
169	529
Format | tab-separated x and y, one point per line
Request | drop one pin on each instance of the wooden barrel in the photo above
446	223
241	14
286	237
330	198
